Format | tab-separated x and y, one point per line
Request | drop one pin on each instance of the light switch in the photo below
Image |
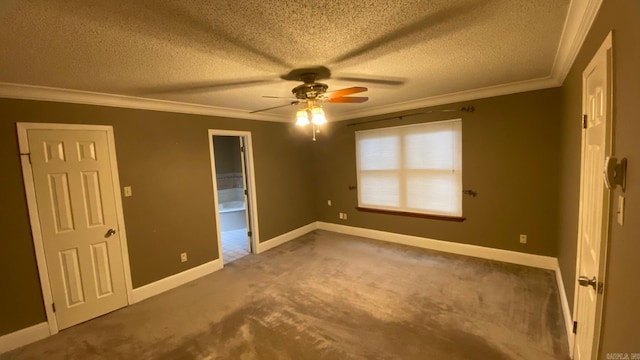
620	210
127	191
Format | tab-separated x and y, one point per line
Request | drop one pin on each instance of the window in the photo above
414	169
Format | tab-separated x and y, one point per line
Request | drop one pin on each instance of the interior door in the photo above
245	184
77	211
594	200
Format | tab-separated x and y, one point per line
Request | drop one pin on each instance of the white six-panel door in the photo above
594	201
77	212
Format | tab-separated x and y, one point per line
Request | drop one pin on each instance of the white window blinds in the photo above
415	168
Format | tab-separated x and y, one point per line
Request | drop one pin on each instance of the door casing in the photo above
252	213
36	231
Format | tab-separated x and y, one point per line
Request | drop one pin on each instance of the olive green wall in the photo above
622	290
509	157
165	158
521	153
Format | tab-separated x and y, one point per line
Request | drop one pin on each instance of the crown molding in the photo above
580	17
474	94
43	93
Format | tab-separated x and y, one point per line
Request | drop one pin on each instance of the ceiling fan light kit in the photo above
311	114
311	93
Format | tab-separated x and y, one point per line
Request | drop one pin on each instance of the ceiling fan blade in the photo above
348	100
276	107
372	80
344	92
278	97
212	85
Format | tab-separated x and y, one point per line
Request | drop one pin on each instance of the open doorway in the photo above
234	193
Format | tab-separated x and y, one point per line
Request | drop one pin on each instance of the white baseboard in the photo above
568	319
544	262
23	337
514	257
173	281
41	331
281	239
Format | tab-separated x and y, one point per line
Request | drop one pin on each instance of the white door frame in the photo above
253	204
606	47
34	218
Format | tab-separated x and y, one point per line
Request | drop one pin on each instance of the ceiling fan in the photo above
312	92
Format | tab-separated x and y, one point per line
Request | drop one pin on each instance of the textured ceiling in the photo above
228	54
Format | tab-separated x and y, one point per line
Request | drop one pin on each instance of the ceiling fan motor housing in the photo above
309	91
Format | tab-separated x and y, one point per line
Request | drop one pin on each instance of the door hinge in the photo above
575	327
27	154
600	288
241	148
245	192
249	233
53	306
584	121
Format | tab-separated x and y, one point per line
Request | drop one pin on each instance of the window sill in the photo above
411	214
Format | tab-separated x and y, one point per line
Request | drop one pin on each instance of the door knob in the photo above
585	281
110	232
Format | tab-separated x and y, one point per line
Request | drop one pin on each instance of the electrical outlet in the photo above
523	239
329	202
183	257
344	216
127	191
341	215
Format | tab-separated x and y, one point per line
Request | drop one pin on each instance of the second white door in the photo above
594	202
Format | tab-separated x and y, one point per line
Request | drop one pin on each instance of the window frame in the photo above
403	170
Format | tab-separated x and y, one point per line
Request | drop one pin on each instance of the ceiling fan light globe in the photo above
317	116
302	118
319	120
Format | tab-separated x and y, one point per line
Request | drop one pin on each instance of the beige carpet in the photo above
332	296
